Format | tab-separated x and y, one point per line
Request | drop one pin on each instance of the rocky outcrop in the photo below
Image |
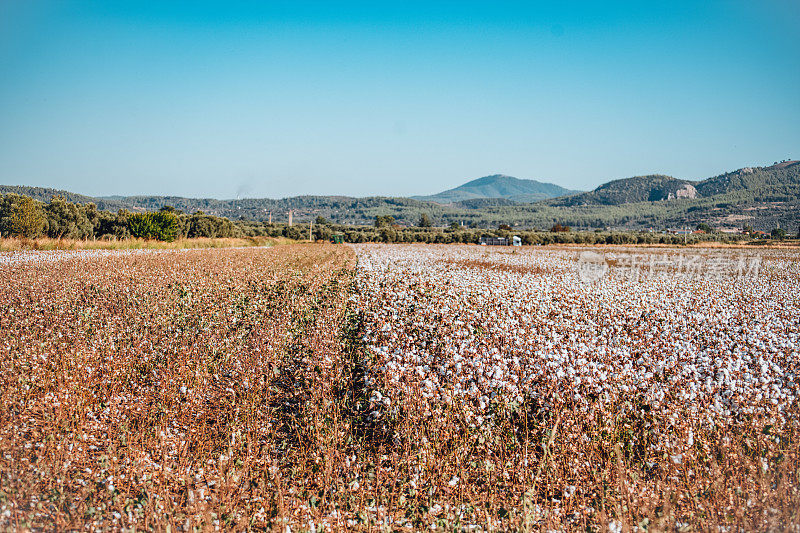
687	191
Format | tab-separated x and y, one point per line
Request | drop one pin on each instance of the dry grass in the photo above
258	389
17	244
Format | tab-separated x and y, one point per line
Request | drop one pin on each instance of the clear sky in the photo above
389	98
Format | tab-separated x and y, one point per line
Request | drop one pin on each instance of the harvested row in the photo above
172	389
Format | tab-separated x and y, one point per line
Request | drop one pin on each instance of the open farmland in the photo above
662	398
399	387
168	389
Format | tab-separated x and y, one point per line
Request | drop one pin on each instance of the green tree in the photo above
704	227
27	219
199	225
387	234
68	220
161	226
92	215
294	232
113	225
424	221
322	232
384	221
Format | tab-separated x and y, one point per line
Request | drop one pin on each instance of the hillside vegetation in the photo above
625	191
760	197
498	186
779	179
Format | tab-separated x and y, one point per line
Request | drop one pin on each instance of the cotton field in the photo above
474	327
167	390
400	387
653	387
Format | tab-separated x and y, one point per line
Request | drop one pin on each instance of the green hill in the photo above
651	188
777	176
45	194
498	186
483	203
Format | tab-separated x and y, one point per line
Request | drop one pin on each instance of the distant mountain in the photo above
655	188
761	197
45	194
651	188
785	173
498	186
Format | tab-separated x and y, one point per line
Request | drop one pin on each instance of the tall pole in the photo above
310	231
290	218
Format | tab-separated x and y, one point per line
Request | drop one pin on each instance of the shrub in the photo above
161	226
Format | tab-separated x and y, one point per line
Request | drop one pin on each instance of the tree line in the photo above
23	216
384	231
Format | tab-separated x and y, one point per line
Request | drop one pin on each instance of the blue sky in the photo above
280	99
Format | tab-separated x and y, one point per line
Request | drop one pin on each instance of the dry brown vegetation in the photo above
494	266
170	389
429	387
44	243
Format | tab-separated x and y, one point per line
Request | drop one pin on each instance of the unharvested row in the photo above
516	392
